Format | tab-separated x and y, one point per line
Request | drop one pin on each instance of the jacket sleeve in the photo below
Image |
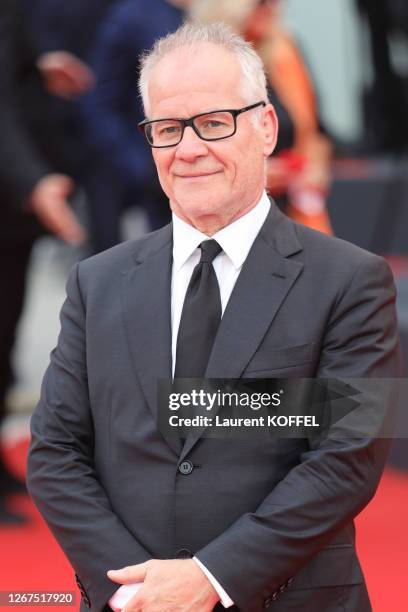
61	458
336	477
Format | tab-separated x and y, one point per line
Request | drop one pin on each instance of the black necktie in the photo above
200	317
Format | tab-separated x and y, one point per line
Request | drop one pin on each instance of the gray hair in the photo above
253	83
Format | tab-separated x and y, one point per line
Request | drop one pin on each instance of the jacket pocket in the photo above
278	358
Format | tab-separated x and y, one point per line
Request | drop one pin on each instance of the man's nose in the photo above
191	146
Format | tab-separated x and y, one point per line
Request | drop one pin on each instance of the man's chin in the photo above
200	201
195	211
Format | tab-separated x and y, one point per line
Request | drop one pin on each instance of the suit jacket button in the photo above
186	468
268	602
184	553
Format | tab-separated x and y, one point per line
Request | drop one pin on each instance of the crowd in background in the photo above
69	109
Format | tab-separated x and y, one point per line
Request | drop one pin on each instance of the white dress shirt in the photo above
236	241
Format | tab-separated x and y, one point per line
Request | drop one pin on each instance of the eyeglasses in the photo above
215	125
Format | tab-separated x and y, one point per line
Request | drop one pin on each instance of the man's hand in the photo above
168	586
65	75
48	201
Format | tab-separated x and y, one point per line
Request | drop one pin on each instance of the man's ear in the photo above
270	126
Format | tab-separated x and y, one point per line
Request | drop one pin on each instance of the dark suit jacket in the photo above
56	25
271	521
21	162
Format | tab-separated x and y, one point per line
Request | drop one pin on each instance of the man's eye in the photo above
213	124
167	130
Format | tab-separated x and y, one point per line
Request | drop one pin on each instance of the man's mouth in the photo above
197	175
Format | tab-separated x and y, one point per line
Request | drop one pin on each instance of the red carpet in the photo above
382	543
31	560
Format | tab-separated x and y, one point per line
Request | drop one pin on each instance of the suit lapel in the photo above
146	307
261	288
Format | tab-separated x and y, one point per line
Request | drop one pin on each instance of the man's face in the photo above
209	184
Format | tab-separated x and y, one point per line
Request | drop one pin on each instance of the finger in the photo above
62	222
65	185
71	232
135	604
127	575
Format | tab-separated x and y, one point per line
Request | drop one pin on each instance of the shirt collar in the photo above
235	239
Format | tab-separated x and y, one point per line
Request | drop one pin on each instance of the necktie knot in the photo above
209	251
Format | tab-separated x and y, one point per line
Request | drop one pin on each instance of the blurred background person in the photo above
122	173
385	99
63	35
299	172
34	197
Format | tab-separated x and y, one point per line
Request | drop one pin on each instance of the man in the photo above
267	524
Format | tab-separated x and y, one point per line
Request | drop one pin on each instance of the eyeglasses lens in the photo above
211	126
215	125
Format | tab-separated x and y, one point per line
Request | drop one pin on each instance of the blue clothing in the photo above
61	25
123	170
57	25
112	110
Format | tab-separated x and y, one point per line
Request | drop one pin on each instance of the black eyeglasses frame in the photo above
190	123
